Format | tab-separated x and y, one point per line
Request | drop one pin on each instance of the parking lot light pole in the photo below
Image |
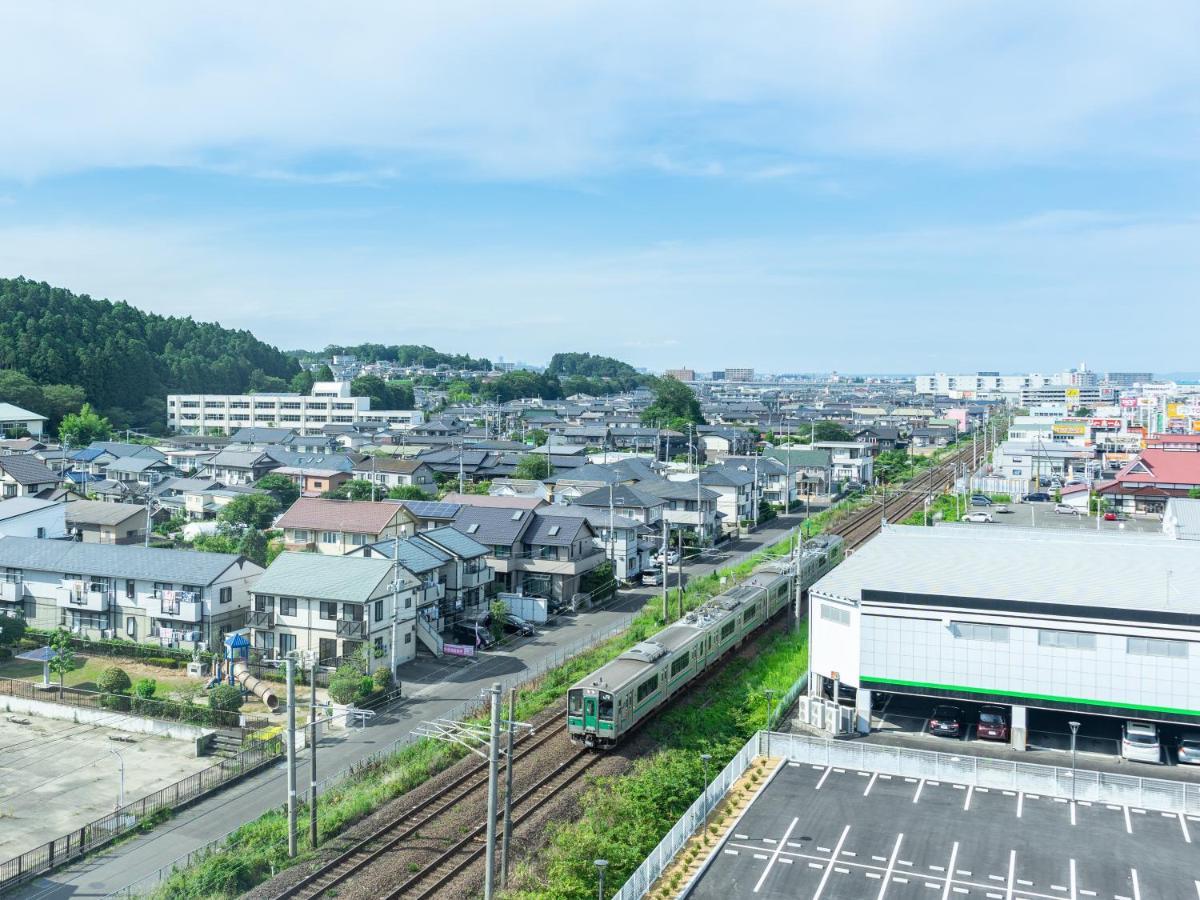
705	757
1074	726
768	694
121	784
600	865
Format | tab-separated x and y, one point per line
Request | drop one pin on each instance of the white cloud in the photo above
546	89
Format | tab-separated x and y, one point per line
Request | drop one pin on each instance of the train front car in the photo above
590	717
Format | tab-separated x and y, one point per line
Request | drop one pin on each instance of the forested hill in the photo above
401	354
124	360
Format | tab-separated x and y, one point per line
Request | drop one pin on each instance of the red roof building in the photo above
1148	482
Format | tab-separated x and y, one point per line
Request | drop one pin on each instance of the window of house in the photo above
264	640
359	540
329	537
379	645
225	595
408	637
974	631
287	606
328	610
287	643
41	532
131	626
1066	640
300	536
378	611
501	552
129	588
835	614
1136	646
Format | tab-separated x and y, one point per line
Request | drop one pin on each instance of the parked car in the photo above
514	624
652	577
1140	743
980	500
472	633
1037	497
1113	517
993	723
1001	511
672	558
1189	751
946	720
978	517
1065	510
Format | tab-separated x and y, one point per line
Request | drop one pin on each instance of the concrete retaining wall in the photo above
178	731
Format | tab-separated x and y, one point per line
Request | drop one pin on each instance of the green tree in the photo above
216	543
354	489
458	391
383	394
114	680
145	688
80	429
407	492
226	697
830	431
64	661
675	405
498	610
302	382
538	436
533	466
12	629
346	685
249	511
282	488
253	546
1194	493
324	373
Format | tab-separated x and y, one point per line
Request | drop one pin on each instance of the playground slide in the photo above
259	688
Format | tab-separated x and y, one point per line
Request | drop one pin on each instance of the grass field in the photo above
88	669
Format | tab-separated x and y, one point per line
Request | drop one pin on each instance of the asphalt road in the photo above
432	688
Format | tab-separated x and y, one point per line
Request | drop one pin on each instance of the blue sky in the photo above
871	186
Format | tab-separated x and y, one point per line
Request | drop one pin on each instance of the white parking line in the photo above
917	795
1128	824
823	777
1198	888
775	855
1072	813
1183	824
870	784
1074	886
1012	872
950	871
1020	803
829	868
887	875
967	802
1137	891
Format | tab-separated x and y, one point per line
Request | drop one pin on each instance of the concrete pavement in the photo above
432	689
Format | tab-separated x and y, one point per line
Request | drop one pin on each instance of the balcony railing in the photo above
262	619
92	597
352	628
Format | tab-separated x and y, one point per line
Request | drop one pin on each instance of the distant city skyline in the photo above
866	187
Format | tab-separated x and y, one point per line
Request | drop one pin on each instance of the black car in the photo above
472	633
946	720
514	624
1037	497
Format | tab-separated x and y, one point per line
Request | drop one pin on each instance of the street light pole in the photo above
121	783
1074	726
768	695
600	865
705	757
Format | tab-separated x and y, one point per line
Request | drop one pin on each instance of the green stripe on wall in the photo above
995	691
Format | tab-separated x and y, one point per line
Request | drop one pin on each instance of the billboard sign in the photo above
1129	402
458	649
1072	428
1106	423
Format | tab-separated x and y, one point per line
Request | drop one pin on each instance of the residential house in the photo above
626	542
849	461
100	522
97	456
625	500
335	606
142	470
724	439
231	466
427	514
335	527
16	422
389	472
810	470
25	476
177	598
770	475
435	568
687	507
469	574
521	488
314	482
736	494
497	501
32	517
880	438
531	553
932	436
1157	476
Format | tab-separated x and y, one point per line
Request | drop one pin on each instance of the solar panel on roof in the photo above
433	509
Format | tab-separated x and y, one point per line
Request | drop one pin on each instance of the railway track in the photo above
389	836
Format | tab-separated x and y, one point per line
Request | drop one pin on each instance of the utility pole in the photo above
679	581
612	546
290	665
460	465
493	773
666	544
312	752
508	778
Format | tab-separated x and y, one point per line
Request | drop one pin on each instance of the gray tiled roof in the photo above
415	555
727	476
118	560
453	540
623	495
19	506
556	531
593	515
351	579
97	512
676	490
26	469
494	525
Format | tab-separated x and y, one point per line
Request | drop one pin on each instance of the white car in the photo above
1139	742
1064	510
978	517
672	558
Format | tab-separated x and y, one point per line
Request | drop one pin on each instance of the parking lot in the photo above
845	834
1042	515
904	719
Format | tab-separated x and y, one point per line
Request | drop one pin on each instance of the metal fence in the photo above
163	710
1000	774
95	834
661	856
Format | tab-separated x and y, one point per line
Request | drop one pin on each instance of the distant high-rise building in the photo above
739	374
681	374
1129	379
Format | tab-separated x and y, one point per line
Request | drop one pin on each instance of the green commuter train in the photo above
604	707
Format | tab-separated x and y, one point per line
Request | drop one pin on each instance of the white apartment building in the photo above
980	384
329	403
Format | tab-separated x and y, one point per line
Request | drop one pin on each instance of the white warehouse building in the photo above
1101	623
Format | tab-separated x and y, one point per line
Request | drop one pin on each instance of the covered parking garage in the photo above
1095	627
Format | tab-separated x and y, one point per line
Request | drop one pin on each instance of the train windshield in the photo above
575	702
606	706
